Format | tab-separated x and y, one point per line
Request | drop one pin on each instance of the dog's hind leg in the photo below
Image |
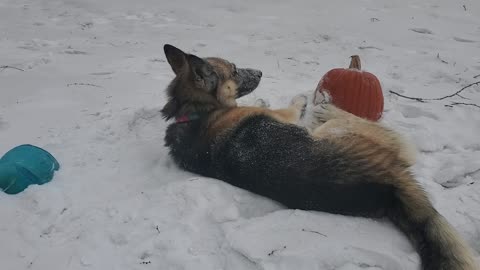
329	120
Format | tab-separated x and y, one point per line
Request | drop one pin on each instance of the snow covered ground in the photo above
92	81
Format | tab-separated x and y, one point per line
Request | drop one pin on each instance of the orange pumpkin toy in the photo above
353	90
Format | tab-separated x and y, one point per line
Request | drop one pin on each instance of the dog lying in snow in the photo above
339	164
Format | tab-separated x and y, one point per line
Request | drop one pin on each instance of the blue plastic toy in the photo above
25	165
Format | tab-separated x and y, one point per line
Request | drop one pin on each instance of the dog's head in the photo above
205	83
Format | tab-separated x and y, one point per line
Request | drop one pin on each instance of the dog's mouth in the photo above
247	80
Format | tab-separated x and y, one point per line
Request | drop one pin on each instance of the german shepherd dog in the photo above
339	163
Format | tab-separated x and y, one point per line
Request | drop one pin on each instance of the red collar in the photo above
187	118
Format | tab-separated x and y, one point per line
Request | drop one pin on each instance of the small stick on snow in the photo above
275	250
304	230
5	67
456	93
476	76
440	98
462	96
465	7
443	61
83	84
407	97
462	103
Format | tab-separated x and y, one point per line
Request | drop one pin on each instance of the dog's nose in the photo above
257	73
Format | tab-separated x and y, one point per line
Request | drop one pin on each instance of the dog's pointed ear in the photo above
176	57
200	68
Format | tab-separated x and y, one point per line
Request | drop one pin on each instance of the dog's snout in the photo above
256	73
248	79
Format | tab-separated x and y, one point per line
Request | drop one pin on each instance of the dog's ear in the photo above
170	109
176	57
200	68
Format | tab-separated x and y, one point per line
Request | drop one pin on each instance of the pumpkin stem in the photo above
355	62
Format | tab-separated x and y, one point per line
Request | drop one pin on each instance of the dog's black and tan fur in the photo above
341	164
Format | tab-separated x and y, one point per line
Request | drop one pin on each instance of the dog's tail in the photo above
438	244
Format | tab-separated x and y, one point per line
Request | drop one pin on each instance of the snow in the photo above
93	83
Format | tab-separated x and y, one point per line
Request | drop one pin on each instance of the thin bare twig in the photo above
5	67
443	61
275	250
476	76
462	97
440	98
83	84
456	93
407	97
304	230
462	103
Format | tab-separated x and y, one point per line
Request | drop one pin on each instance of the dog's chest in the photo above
188	147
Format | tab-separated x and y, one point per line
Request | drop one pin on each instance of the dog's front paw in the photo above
299	102
262	103
322	97
323	112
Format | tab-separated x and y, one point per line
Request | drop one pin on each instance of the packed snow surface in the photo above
85	80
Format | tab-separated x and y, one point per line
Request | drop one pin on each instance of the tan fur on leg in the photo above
338	122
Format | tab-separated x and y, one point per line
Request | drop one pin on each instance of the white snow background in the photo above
92	84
